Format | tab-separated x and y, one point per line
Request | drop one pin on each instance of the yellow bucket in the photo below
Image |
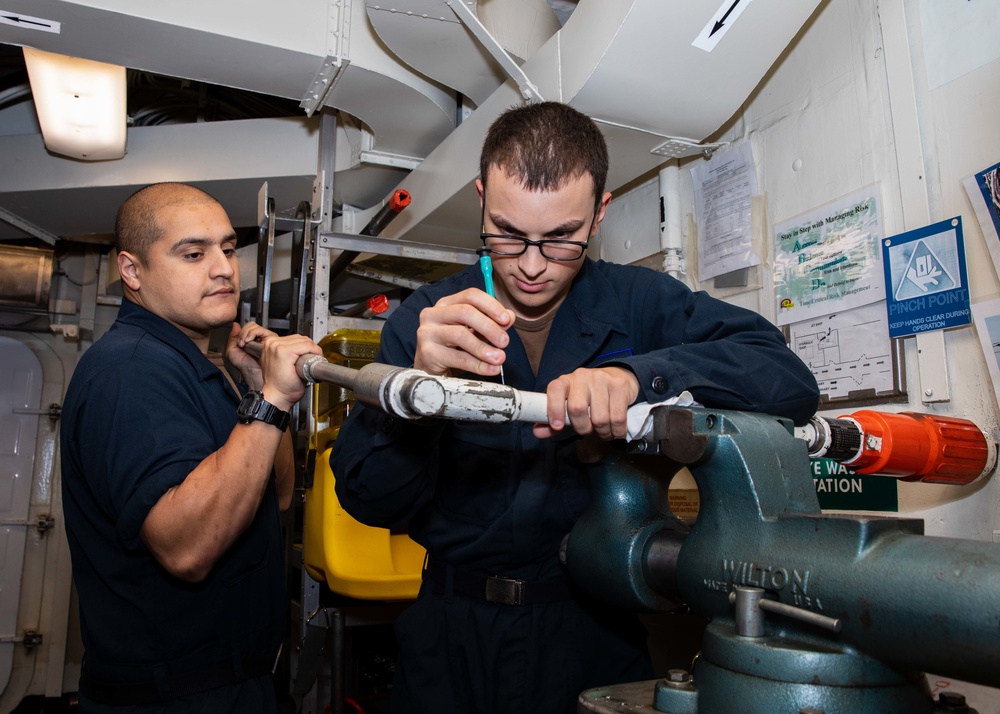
355	560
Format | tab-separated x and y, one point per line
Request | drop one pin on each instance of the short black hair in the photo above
136	225
544	145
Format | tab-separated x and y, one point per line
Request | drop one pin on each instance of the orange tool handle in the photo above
921	447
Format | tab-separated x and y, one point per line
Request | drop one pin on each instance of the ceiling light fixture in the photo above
80	105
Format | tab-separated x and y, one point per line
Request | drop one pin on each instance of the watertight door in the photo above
20	392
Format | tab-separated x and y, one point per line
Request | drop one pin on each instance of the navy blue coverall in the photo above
492	499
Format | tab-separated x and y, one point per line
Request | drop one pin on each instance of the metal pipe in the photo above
375	305
412	394
338	660
301	249
671	235
265	263
384	276
751	604
399	200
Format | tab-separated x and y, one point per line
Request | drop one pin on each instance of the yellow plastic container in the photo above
331	404
355	560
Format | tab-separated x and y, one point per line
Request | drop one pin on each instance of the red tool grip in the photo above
921	447
400	199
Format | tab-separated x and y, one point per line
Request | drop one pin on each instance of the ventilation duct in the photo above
25	277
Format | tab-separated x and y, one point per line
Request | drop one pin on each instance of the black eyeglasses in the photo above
562	250
558	250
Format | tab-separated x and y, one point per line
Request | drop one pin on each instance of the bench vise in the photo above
809	612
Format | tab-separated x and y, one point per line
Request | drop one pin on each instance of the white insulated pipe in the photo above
411	393
671	235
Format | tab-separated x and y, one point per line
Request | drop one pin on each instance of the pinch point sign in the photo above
926	280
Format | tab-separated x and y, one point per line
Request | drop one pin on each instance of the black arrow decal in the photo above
721	22
15	18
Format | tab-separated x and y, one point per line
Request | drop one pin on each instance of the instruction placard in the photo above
927	287
827	260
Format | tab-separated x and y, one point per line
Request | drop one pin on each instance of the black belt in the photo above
174	686
496	589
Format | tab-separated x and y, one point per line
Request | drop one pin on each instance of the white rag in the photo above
640	421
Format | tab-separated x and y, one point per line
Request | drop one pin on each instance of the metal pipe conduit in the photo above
411	393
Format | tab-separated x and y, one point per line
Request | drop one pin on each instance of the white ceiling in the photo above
628	63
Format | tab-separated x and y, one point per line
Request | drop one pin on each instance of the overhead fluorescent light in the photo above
80	105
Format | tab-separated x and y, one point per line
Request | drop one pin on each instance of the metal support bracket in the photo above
265	262
44	522
53	412
932	364
326	79
395	161
337	58
28	227
30	639
392	246
288	223
468	18
302	250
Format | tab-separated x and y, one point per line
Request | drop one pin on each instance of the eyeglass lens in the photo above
553	250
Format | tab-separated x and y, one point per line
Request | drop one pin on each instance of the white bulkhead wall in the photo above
849	100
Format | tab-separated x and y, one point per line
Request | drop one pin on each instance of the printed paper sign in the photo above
827	260
987	316
849	353
984	194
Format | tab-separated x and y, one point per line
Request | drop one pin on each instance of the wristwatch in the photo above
253	407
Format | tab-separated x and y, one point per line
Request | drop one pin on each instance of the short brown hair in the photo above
137	226
544	145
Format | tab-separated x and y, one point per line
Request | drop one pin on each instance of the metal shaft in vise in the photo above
411	393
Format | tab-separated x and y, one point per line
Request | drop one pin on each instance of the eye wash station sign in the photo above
927	286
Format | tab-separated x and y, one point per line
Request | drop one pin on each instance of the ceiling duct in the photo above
257	45
429	37
632	66
25	277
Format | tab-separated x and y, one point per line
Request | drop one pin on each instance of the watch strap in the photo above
253	407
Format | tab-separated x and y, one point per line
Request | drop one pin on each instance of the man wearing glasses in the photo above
497	626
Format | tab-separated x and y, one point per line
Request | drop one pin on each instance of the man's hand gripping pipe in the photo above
411	393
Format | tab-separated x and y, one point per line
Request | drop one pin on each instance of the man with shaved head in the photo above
174	473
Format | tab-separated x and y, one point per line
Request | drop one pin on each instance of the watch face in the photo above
249	405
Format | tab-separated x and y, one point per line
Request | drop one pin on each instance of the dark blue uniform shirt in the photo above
495	499
143	409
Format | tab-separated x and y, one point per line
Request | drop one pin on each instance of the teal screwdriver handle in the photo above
486	265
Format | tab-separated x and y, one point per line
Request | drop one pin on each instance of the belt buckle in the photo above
504	591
